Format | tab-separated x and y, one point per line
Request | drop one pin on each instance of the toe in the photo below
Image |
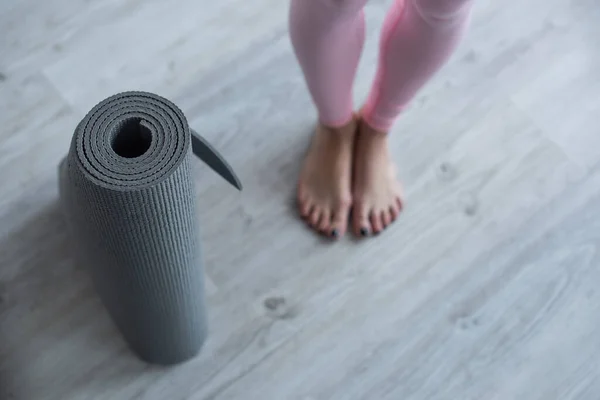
324	224
305	208
314	217
376	222
394	212
395	208
360	220
399	205
386	218
339	222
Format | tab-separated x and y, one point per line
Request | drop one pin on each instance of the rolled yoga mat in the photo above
127	192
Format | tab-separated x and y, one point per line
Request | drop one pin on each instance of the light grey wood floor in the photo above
486	289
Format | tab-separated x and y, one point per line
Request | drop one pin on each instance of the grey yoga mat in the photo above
127	192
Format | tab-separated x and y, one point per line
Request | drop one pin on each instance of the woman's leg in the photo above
417	39
328	36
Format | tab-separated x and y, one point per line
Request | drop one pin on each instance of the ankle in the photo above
370	126
372	133
348	129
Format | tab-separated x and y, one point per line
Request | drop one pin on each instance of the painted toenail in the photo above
335	233
364	231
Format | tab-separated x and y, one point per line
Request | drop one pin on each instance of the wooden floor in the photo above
487	288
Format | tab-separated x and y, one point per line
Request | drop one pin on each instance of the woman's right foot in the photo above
324	187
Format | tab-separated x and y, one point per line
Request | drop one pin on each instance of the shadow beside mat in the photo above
50	316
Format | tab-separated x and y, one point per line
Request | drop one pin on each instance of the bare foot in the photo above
324	192
377	195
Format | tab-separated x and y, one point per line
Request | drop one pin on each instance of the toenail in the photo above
335	233
364	231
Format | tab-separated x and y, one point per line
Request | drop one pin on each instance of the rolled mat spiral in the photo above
127	192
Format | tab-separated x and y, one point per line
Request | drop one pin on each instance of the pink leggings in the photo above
418	37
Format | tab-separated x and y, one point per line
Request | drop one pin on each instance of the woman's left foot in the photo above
376	192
